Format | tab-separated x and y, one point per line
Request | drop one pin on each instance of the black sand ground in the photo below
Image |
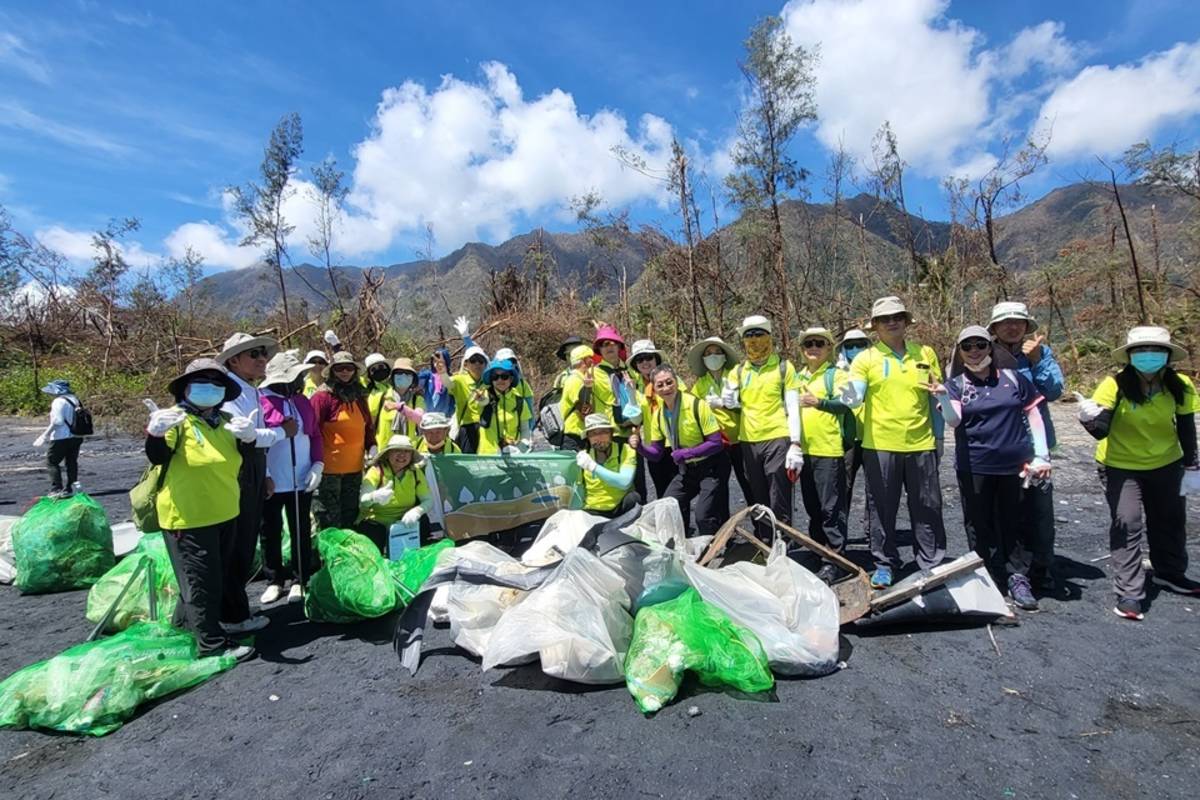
1078	704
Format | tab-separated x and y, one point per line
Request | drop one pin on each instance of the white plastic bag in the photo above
577	623
659	523
8	562
559	535
790	609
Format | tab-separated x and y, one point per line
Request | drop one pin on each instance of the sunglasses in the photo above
754	334
644	359
501	376
258	352
815	343
344	368
974	344
477	360
901	317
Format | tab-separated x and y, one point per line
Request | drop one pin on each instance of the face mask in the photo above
715	361
1148	363
379	375
402	381
204	395
983	364
851	352
758	348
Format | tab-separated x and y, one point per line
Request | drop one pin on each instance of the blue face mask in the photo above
851	352
1148	363
402	381
204	395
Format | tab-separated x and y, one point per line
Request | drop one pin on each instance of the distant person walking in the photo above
63	438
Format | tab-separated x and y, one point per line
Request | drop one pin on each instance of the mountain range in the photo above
1033	234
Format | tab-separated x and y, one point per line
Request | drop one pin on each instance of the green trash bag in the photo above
689	634
354	581
135	605
414	567
94	687
61	545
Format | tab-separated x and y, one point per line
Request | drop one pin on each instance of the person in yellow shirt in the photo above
686	432
645	358
614	394
893	381
315	376
394	490
1145	420
606	470
827	427
504	424
712	361
855	341
469	393
435	436
563	353
377	380
578	400
402	405
763	387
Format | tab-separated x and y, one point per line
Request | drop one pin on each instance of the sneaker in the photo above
296	593
271	595
1181	584
829	574
255	623
240	652
881	578
1129	608
1021	593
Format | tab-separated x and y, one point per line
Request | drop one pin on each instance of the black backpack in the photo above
81	421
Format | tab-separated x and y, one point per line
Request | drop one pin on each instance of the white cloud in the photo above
1104	109
76	247
213	242
16	116
1043	45
16	54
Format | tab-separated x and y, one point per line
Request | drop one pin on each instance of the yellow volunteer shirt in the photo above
448	449
728	419
763	415
896	411
598	495
1142	436
573	410
507	412
695	422
603	397
201	487
409	489
463	388
821	431
388	426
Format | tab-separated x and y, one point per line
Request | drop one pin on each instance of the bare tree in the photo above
1000	189
328	197
1168	166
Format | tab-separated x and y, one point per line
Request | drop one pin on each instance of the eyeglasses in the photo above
814	343
344	368
258	352
974	344
901	317
754	334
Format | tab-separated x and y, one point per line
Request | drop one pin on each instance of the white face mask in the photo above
980	366
715	361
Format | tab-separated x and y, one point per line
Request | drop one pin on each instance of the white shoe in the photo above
241	652
255	623
271	595
296	593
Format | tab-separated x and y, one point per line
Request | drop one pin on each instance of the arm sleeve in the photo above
619	480
1037	428
157	449
711	445
1185	428
791	401
652	450
1048	375
1106	397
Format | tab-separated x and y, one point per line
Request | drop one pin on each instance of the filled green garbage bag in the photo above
62	544
414	567
135	605
94	687
354	581
688	634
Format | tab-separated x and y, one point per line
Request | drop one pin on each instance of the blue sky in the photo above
483	119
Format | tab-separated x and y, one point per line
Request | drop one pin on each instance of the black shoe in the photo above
1180	584
1129	608
829	574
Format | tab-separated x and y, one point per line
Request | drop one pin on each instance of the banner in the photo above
477	495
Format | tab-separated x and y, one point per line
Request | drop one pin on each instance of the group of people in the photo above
259	438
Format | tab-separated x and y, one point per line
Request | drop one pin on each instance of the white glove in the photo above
314	477
372	453
242	428
379	497
794	459
526	445
1089	409
331	339
462	326
40	441
729	397
715	401
585	461
511	450
412	516
163	420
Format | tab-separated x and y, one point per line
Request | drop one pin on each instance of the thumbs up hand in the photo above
1033	348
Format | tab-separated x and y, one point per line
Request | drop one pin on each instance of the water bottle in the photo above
77	488
403	537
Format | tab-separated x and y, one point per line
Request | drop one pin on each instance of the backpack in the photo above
550	418
81	421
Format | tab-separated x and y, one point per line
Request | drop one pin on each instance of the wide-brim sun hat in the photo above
339	359
397	442
374	359
1011	310
566	346
819	332
855	335
1148	336
432	420
498	365
609	333
597	422
886	306
241	342
755	322
403	364
211	368
57	388
695	355
472	352
283	368
311	358
645	347
582	352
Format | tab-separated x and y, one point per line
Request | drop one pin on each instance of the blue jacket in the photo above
1047	378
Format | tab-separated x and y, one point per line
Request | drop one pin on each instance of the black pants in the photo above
468	437
706	482
766	471
630	501
63	450
238	558
337	500
916	475
274	509
737	459
662	472
992	517
1147	514
378	533
1037	520
823	490
196	559
854	460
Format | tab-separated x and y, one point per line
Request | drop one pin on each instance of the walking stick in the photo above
298	549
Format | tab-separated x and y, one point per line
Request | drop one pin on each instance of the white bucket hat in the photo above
819	332
1009	310
755	321
886	306
645	347
597	422
373	359
311	358
695	356
284	368
472	351
506	354
241	342
397	442
854	335
1148	336
433	420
